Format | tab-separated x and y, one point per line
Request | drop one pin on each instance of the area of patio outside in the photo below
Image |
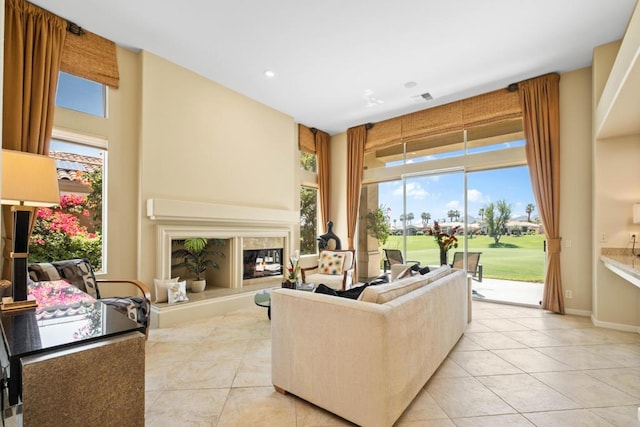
513	268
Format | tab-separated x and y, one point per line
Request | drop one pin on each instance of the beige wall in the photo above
200	141
615	189
575	187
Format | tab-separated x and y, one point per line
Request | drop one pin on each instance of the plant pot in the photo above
198	285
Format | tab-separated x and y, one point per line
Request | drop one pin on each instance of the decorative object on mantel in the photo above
195	258
293	271
444	240
329	240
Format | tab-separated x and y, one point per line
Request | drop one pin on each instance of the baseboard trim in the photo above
615	326
583	313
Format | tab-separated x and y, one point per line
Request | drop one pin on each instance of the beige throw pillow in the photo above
160	288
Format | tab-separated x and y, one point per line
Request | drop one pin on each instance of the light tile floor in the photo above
514	366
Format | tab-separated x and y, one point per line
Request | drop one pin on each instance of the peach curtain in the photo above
322	157
356	140
541	118
33	41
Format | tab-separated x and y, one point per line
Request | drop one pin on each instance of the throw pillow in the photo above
177	292
407	272
331	262
160	286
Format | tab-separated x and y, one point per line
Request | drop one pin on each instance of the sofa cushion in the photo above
439	272
384	293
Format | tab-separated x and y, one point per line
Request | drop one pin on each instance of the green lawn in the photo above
517	258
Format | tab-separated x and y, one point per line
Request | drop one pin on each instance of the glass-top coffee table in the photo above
263	298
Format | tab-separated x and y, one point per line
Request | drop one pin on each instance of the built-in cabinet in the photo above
616	176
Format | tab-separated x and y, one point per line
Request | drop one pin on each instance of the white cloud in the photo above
454	204
475	196
414	191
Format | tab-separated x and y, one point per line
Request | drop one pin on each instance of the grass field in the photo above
515	258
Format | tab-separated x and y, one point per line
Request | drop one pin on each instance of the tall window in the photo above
74	228
308	204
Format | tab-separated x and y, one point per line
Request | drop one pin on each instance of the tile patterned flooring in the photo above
514	366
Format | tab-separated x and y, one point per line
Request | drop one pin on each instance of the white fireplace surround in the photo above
179	219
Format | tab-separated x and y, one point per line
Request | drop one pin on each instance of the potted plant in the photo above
195	258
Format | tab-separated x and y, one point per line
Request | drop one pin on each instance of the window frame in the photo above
79	138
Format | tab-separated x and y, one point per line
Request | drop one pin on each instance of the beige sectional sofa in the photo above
366	360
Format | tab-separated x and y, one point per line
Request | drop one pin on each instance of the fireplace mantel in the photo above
181	210
177	219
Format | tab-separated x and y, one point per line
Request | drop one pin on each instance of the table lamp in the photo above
28	180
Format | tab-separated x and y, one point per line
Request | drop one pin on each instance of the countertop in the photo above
624	265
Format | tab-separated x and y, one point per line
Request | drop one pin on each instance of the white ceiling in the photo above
340	63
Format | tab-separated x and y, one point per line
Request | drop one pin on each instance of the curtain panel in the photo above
33	42
541	116
356	140
322	158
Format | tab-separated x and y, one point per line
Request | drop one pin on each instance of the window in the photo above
73	229
78	94
308	220
308	204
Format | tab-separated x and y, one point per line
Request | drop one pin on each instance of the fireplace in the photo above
258	240
259	263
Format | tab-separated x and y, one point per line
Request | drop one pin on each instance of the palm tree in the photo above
451	215
410	217
423	215
481	214
394	222
529	209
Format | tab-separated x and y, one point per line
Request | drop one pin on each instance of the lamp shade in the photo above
29	179
636	213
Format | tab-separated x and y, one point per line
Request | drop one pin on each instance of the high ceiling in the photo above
340	63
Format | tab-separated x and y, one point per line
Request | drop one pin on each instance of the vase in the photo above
288	285
443	257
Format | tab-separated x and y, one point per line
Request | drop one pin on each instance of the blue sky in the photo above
441	193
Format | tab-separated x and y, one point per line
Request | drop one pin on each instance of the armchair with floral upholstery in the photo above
334	269
79	273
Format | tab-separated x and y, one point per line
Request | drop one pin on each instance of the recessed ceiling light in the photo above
409	85
269	73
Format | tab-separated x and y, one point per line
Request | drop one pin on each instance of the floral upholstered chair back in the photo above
77	272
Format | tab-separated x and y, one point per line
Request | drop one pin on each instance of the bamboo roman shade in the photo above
306	139
490	108
91	57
